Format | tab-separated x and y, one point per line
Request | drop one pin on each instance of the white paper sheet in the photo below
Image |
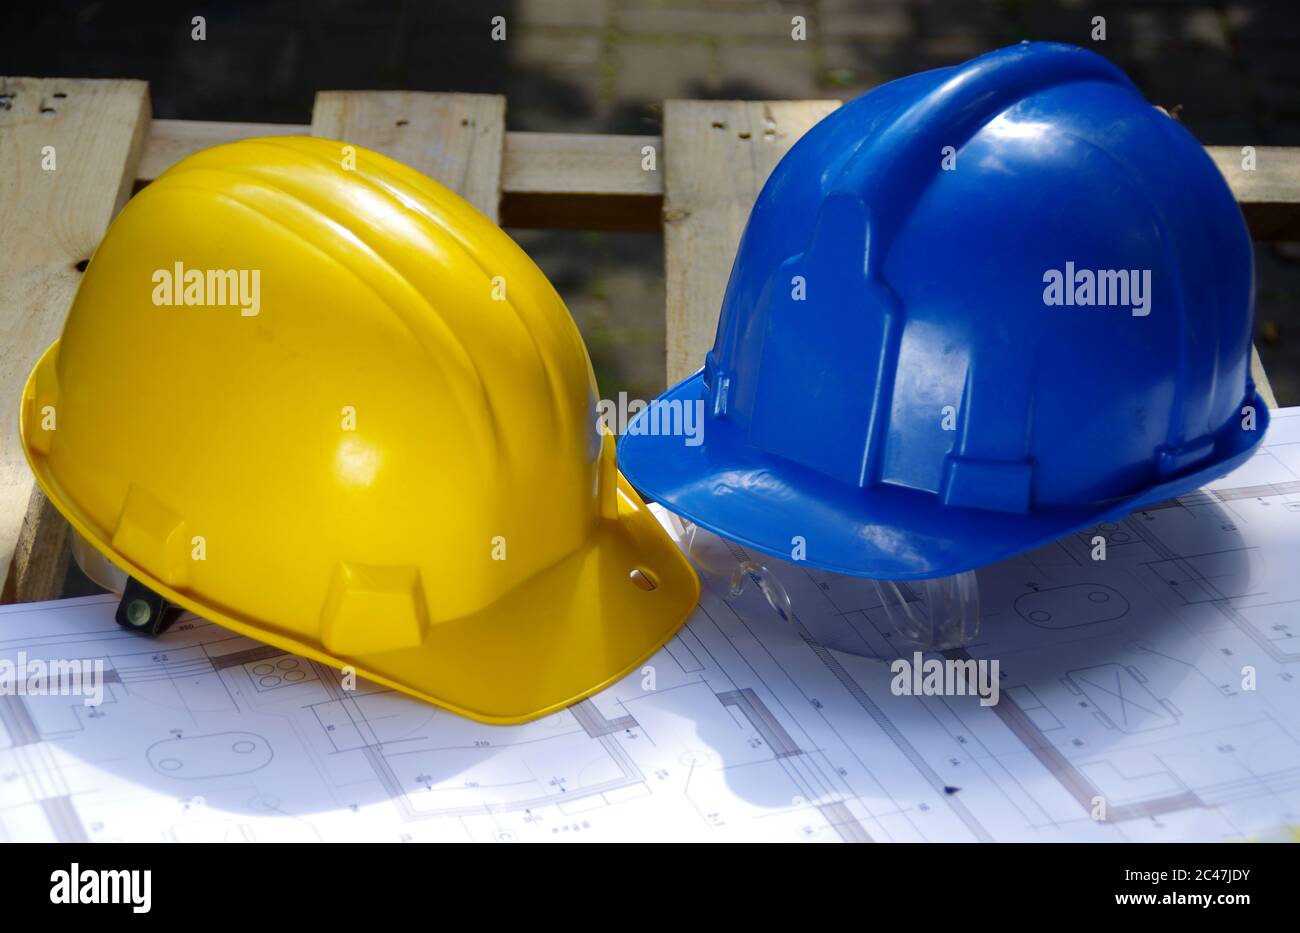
1124	680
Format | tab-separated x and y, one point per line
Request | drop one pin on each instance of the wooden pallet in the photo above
708	168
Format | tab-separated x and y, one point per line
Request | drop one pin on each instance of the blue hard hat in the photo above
973	310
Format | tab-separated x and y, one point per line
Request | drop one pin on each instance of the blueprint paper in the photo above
1120	678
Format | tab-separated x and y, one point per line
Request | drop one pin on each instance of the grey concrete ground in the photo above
1231	67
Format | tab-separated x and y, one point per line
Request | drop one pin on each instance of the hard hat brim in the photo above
885	532
565	633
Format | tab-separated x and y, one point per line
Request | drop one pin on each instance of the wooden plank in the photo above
1262	385
53	220
574	180
1269	193
172	140
457	139
41	554
533	163
720	154
583	163
547	163
582	181
549	180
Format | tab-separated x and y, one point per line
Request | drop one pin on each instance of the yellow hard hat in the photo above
313	396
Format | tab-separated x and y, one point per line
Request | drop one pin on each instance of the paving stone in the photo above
766	71
1153	22
1146	23
1273	70
1207	27
679	21
1221	129
558	49
555	82
613	285
568	13
760	6
1204	80
658	70
939	51
1267	21
434	59
986	19
851	68
873	20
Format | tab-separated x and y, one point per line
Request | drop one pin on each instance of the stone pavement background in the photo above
1232	66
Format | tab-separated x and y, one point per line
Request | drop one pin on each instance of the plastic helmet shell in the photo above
895	381
342	412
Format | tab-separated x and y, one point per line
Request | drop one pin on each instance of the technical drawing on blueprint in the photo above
1121	679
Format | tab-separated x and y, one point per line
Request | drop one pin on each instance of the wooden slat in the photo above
533	163
52	220
579	181
557	180
720	154
457	139
172	140
549	180
549	168
1262	385
41	554
572	163
1269	193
